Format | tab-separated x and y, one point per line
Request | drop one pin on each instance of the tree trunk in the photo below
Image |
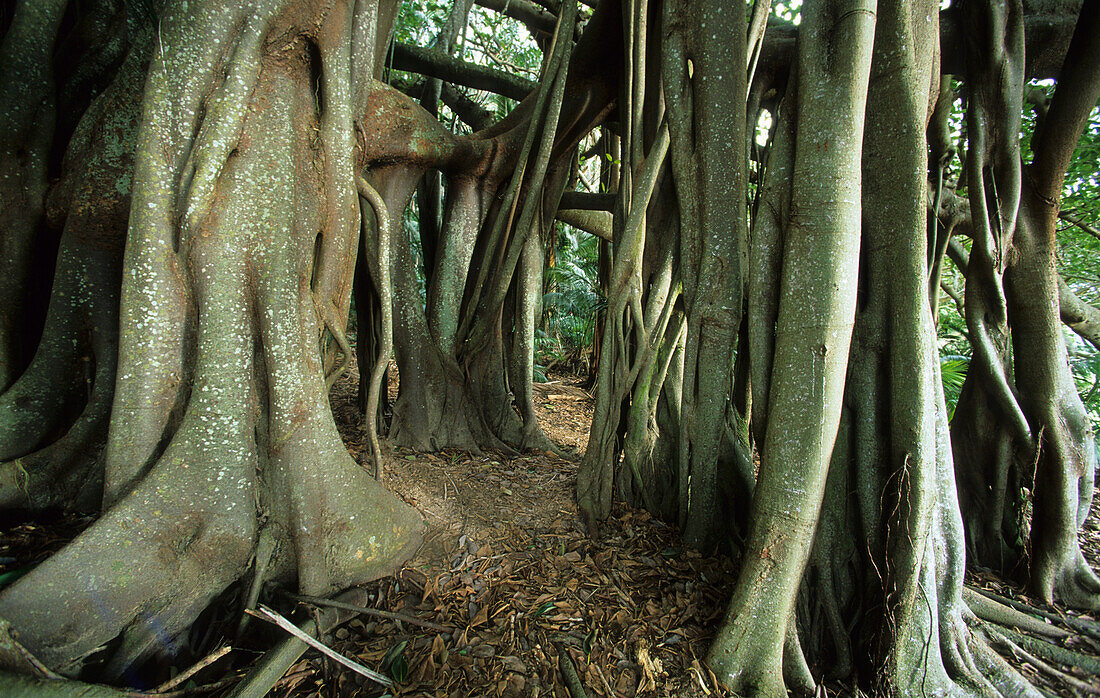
813	333
1065	464
236	266
53	419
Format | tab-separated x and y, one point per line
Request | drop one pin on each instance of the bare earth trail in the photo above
507	565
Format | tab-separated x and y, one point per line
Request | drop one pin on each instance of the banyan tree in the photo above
192	192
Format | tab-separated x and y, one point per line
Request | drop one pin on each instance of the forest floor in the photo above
508	567
518	594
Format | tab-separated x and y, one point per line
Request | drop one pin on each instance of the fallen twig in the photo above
193	669
182	692
272	617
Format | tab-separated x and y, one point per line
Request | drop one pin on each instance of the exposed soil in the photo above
507	569
507	565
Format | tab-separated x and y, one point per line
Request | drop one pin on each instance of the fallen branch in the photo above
269	669
272	617
182	692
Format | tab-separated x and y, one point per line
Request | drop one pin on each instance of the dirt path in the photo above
506	564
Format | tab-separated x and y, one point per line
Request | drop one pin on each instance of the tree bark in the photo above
236	267
1065	463
813	334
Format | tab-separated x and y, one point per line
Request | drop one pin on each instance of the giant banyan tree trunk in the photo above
853	565
1065	465
242	234
1020	424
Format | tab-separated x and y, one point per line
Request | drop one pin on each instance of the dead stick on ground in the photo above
182	692
378	613
603	680
569	672
272	617
193	669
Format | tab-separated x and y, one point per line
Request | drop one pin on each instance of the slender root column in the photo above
382	269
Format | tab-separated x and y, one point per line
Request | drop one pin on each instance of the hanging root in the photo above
385	345
328	318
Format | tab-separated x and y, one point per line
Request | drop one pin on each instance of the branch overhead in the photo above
439	65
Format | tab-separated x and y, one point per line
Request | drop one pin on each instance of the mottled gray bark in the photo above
235	269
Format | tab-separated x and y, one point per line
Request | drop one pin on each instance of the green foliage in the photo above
419	22
791	10
953	370
571	301
489	39
394	662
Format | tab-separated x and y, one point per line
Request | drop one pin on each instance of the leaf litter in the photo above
507	566
507	569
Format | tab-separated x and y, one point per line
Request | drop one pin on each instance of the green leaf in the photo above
11	575
394	662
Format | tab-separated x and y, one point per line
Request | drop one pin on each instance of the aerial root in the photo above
1081	625
993	611
385	348
1051	652
328	317
996	674
960	657
796	670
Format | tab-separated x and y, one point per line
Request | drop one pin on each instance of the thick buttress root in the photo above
221	432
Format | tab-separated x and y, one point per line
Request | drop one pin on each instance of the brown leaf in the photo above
481	618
